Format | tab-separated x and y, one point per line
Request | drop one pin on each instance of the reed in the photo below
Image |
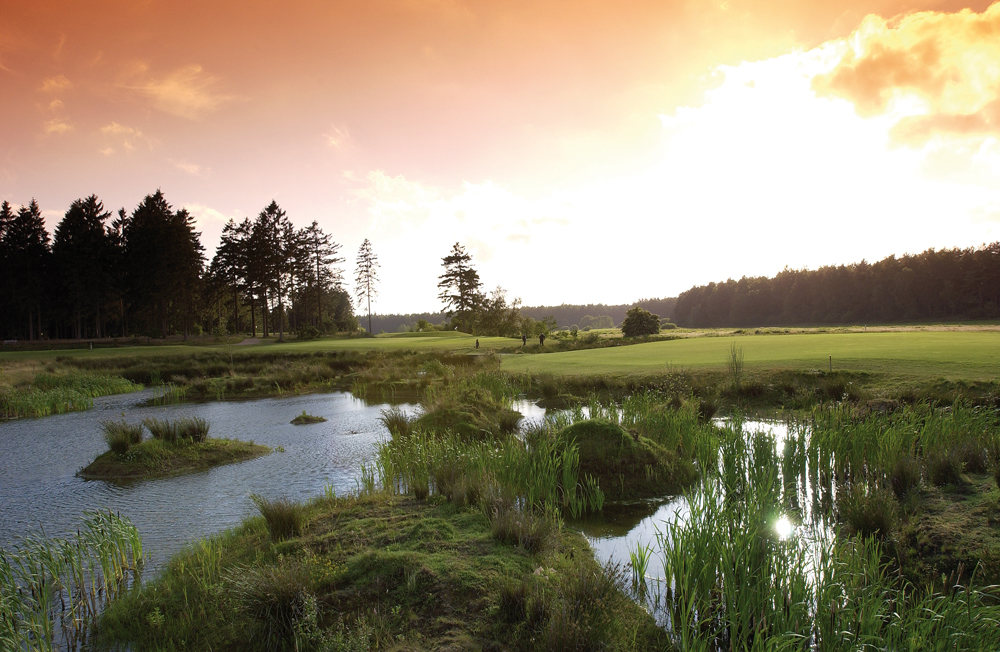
121	436
52	589
284	518
59	393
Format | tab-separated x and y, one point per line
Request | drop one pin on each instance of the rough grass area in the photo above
43	393
627	465
956	529
380	573
156	458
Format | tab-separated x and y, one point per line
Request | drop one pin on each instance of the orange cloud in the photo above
130	136
55	84
939	71
57	126
186	92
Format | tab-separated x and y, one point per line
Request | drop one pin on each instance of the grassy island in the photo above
176	448
305	419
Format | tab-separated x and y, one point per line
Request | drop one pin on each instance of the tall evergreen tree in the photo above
163	256
82	261
276	254
27	244
323	262
366	277
461	289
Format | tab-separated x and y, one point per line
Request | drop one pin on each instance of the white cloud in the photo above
188	92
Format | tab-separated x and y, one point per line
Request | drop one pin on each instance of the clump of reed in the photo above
120	436
868	512
584	613
275	597
904	476
943	468
396	421
192	428
53	589
521	527
284	518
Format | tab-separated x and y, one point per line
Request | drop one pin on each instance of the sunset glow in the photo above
581	151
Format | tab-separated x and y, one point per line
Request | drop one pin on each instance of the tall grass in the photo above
56	394
732	583
120	436
52	589
284	518
193	428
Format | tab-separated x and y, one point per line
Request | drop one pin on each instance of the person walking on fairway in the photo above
477	344
541	340
524	340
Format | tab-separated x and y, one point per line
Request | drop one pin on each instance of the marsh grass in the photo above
868	512
164	430
59	393
52	589
275	597
120	436
284	518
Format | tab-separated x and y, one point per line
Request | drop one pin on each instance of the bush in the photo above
283	517
868	512
640	322
121	436
307	332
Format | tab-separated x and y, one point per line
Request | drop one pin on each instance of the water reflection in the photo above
40	457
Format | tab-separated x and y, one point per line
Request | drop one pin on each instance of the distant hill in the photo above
566	315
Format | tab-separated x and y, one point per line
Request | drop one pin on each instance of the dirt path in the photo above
248	341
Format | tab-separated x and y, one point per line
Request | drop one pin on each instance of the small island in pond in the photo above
176	447
304	419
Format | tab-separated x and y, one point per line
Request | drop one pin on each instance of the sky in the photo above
581	151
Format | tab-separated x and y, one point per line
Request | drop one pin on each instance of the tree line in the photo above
946	284
145	273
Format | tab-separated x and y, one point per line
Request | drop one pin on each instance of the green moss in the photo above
155	458
626	465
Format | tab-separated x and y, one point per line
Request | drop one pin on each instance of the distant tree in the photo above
366	277
461	289
27	245
164	259
639	322
277	258
322	258
83	261
497	317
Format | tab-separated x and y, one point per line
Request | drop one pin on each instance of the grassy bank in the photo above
380	572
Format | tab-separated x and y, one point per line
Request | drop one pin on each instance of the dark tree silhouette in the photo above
322	257
26	243
461	289
83	261
366	277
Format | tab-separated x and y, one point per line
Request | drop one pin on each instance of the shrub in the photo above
904	475
640	322
284	518
867	511
121	436
307	332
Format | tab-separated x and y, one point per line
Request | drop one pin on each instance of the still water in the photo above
39	459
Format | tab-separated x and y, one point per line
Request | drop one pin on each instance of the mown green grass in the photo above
437	340
950	354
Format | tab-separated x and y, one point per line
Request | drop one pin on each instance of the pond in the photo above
40	459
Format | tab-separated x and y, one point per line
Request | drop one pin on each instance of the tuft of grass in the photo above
524	528
121	436
284	518
904	476
943	468
397	422
194	428
275	598
162	430
868	512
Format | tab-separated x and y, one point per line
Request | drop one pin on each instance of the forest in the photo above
946	284
144	273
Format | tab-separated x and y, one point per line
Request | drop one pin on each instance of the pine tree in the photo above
461	289
366	277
